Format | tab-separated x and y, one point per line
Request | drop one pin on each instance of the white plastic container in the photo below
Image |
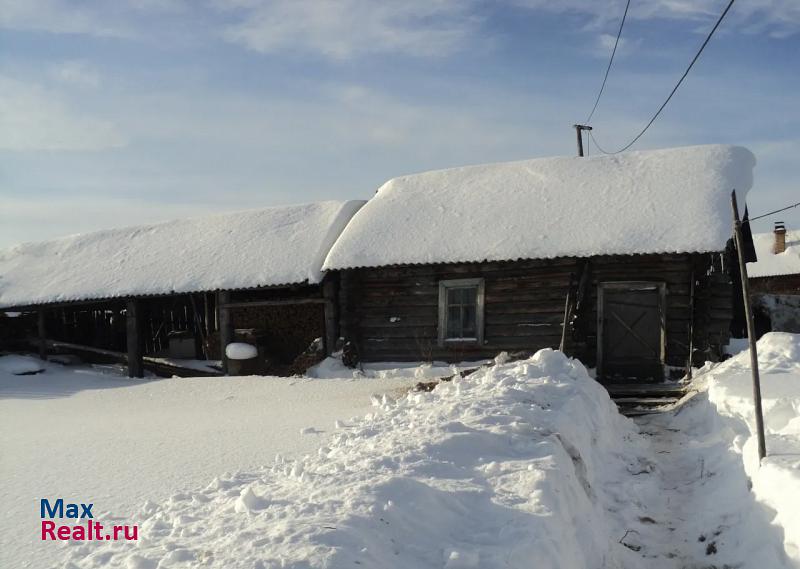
240	351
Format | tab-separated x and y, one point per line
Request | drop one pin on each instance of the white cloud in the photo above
58	16
779	18
32	119
605	44
77	73
117	18
341	29
344	29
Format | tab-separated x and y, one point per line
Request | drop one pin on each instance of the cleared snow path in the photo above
695	509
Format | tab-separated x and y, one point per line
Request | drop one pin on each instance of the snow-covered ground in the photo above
521	464
92	435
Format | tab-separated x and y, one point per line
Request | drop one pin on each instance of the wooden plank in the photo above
409	332
554	296
524	308
408	320
523	318
396	303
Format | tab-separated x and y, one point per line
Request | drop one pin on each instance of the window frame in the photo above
444	287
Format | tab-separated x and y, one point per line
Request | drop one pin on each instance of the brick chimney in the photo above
780	238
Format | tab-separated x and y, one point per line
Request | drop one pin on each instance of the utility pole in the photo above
578	131
751	333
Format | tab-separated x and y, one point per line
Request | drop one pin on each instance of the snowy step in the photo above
645	400
645	390
636	406
635	399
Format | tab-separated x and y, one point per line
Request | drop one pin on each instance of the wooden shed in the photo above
161	295
620	260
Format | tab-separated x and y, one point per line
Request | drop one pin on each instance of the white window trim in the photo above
479	307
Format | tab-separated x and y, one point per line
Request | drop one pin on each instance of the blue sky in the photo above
132	111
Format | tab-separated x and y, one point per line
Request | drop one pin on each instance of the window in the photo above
461	311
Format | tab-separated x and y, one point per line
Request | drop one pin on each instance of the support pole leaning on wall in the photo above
751	335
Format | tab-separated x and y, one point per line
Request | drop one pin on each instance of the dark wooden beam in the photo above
282	302
42	329
134	339
59	345
329	292
225	325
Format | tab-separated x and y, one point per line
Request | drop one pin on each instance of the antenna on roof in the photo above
579	128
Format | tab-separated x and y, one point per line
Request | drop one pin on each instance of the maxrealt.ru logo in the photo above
86	530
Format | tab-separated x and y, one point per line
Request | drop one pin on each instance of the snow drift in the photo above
659	201
729	386
510	467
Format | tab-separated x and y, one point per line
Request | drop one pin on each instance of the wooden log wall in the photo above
283	331
390	313
781	284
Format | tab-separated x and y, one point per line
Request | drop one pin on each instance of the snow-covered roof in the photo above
278	245
770	264
673	200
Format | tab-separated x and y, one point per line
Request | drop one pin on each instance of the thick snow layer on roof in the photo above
272	246
770	264
674	200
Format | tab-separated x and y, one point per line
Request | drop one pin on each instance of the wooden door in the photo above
631	331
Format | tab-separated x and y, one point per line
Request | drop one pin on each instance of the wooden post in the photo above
134	338
225	325
751	334
42	330
329	293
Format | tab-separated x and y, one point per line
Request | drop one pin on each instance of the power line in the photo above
610	61
674	89
774	212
